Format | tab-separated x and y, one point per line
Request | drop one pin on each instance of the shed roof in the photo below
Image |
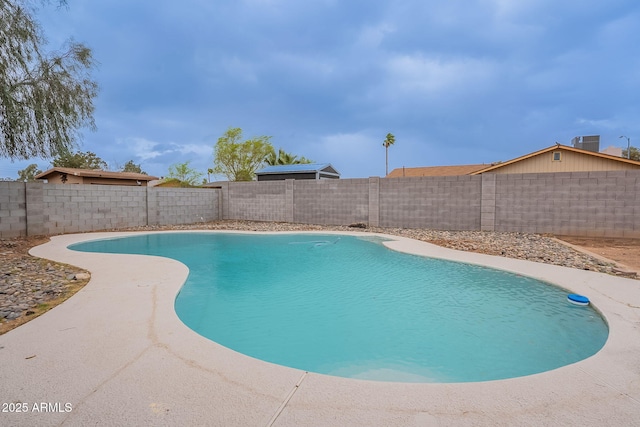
94	173
299	168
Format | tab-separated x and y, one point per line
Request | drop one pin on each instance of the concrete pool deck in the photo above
117	354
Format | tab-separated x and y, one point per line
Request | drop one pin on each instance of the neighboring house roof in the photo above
435	171
325	168
554	148
94	173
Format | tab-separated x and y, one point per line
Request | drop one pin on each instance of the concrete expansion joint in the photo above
611	386
609	297
286	400
151	332
103	383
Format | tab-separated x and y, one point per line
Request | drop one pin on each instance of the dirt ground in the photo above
623	251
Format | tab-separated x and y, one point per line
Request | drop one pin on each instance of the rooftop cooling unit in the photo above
589	143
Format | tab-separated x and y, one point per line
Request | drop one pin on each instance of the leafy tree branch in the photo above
45	98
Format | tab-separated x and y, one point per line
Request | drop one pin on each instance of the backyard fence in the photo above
28	209
603	204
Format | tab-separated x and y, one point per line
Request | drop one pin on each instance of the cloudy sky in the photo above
456	81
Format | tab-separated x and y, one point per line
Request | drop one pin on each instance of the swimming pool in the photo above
348	306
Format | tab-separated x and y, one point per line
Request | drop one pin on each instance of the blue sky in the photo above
456	81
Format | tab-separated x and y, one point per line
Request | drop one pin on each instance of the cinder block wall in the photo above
13	211
37	208
331	201
440	203
80	208
578	203
257	201
170	206
572	203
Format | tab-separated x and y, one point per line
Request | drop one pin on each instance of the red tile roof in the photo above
436	171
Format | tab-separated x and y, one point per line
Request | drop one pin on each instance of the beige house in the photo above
93	176
562	158
557	158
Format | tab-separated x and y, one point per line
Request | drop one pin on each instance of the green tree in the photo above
132	167
237	160
185	174
29	173
284	158
635	153
45	98
80	160
388	142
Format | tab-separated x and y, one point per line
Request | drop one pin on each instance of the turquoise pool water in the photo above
350	307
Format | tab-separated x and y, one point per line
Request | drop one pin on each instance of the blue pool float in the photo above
578	299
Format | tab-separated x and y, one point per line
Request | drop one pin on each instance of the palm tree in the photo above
386	144
284	158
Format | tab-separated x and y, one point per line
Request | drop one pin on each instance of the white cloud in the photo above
141	148
421	73
508	9
372	36
199	149
599	123
145	149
